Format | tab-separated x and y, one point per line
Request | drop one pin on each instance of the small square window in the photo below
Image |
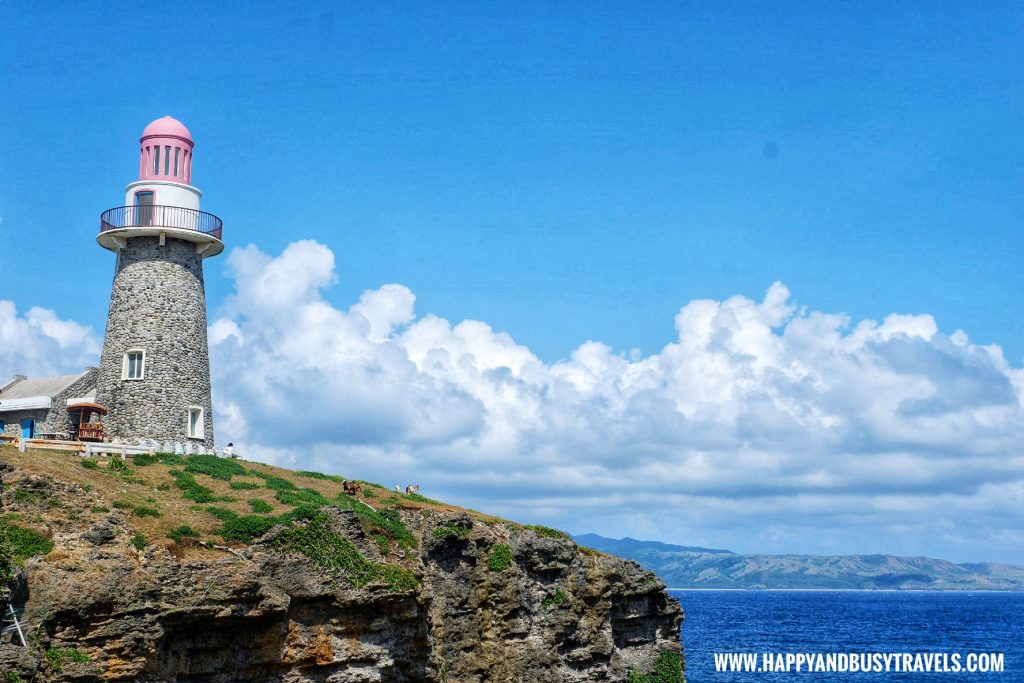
196	427
134	364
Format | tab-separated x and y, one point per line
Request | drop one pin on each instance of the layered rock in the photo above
544	611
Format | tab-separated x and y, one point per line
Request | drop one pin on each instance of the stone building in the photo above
154	374
45	405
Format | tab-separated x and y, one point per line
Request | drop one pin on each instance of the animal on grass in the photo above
351	487
412	489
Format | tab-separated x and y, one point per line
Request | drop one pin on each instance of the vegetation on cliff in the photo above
261	573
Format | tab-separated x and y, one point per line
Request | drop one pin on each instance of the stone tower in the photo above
155	369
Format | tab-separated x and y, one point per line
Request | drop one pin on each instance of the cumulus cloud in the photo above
761	425
40	343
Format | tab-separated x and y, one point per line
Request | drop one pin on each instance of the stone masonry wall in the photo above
57	418
12	420
158	304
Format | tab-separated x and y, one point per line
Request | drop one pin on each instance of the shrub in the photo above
89	464
180	532
145	459
422	499
548	532
246	529
121	505
170	458
223	514
260	506
138	541
274	482
56	656
18	544
500	558
244	485
117	464
214	466
668	668
192	489
295	497
387	522
142	511
163	487
100	508
329	550
446	530
557	600
383	543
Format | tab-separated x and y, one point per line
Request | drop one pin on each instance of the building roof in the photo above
167	127
40	386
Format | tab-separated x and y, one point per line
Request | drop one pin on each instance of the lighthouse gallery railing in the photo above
155	215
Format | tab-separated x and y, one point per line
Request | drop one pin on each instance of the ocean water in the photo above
851	622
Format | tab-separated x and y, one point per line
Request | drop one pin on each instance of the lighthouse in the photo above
154	375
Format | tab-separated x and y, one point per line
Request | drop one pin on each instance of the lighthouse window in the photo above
156	160
167	159
177	153
196	428
134	364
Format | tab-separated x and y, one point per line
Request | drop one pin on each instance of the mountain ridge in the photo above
682	567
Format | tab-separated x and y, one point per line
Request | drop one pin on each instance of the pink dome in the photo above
167	127
165	151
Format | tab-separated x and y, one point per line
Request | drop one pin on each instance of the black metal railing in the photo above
142	216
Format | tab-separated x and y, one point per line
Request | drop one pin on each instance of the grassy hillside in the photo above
192	503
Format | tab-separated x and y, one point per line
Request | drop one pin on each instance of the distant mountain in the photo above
682	566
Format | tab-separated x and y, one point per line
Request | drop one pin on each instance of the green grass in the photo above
274	482
223	514
329	550
170	458
56	656
447	530
319	475
260	506
548	532
138	541
137	510
31	497
214	466
145	459
246	528
18	544
178	533
422	499
668	668
89	464
193	490
386	522
244	485
500	558
294	497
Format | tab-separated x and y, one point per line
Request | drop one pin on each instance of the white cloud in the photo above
883	436
40	343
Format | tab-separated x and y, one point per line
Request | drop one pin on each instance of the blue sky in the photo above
563	173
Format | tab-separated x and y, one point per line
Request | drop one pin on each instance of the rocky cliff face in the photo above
491	601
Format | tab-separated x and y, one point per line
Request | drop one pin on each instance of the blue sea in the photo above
781	622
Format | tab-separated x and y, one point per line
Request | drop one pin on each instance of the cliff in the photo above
163	571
